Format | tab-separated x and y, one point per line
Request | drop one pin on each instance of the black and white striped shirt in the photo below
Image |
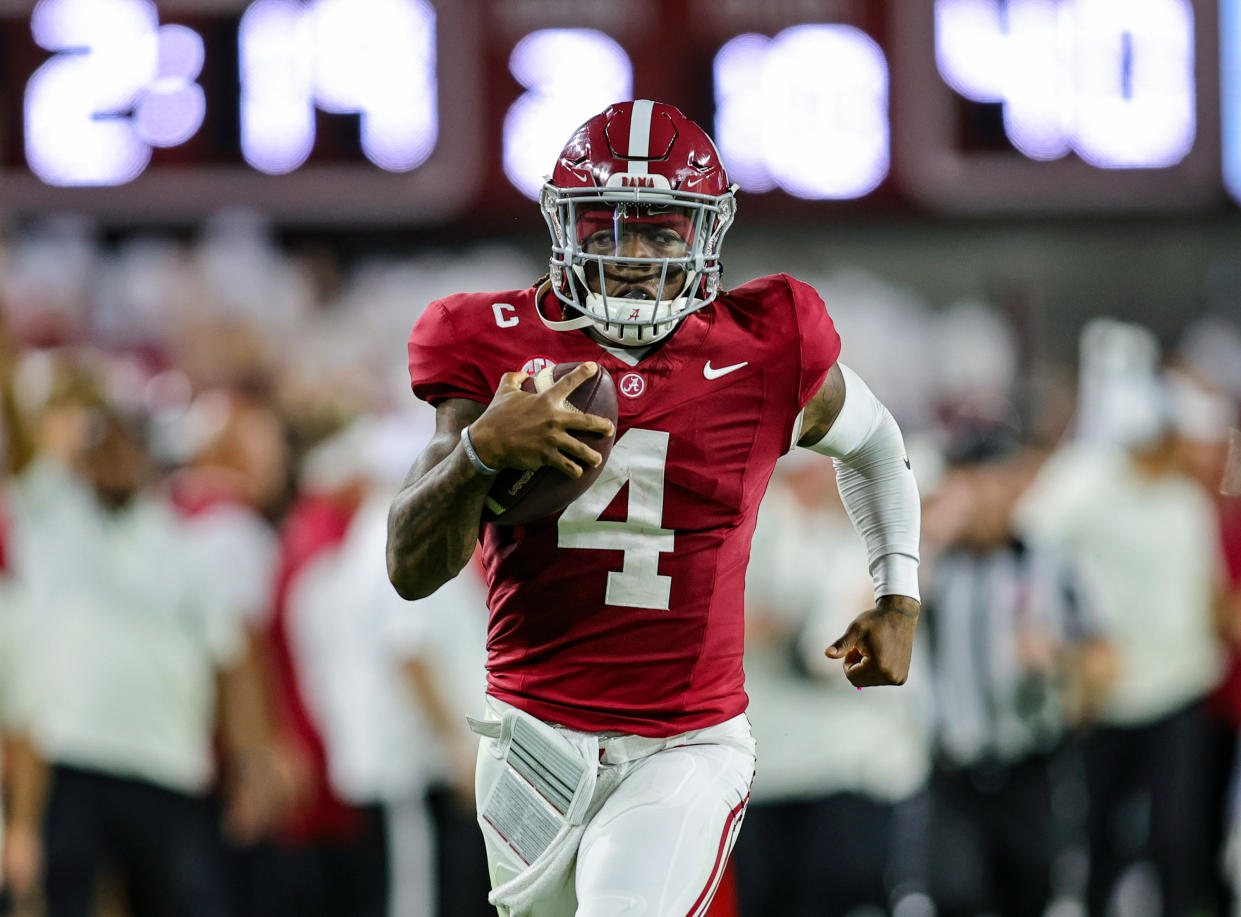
998	623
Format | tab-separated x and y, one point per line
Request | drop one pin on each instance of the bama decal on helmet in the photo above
637	180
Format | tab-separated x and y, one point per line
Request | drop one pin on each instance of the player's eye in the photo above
599	242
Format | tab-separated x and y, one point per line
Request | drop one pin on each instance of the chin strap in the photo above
568	324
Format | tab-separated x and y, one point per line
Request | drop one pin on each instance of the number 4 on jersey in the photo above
638	458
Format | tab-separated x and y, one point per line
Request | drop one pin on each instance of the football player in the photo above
616	757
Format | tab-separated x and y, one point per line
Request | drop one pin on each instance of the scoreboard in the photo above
426	111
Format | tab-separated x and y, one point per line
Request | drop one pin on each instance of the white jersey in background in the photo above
1147	550
128	629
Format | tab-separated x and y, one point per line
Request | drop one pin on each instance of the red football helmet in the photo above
638	170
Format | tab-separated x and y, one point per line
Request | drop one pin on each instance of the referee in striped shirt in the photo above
1017	659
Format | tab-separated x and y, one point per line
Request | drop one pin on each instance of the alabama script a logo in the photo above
632	385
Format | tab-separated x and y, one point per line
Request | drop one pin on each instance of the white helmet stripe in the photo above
639	135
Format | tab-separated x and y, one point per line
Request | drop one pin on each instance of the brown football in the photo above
518	497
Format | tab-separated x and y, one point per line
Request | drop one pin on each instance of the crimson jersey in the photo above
625	612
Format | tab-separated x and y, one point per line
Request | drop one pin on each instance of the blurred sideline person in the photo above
451	666
1204	418
1017	658
235	466
1143	535
131	644
616	631
376	676
311	864
823	814
22	772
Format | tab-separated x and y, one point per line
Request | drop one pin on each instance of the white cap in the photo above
1197	413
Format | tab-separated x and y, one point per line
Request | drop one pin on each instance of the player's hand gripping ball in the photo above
518	497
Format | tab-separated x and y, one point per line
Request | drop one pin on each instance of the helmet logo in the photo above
537	364
639	180
632	384
635	315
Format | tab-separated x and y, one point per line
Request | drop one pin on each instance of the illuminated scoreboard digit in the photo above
549	64
805	111
1111	104
373	58
111	57
1230	86
1109	80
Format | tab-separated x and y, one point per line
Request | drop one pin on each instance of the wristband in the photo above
479	465
896	574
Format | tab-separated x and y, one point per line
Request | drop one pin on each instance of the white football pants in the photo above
658	845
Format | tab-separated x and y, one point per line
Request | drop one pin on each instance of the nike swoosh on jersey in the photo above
712	373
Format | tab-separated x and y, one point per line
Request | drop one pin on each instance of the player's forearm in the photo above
877	488
426	682
26	783
245	728
433	525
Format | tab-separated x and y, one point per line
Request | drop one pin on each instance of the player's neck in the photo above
631	355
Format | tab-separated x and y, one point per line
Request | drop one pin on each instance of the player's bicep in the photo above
451	417
823	408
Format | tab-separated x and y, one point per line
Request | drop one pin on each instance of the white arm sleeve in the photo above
876	486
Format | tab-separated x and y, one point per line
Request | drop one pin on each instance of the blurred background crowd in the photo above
213	702
219	220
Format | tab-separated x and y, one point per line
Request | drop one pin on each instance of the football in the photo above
518	497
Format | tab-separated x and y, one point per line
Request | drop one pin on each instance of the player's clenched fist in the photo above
878	644
522	429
